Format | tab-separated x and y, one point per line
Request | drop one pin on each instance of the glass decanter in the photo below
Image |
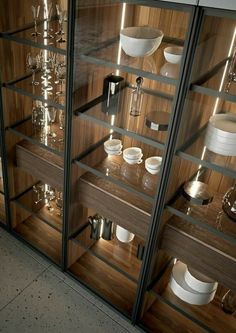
136	98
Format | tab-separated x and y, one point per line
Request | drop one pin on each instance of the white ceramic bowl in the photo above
182	290
133	161
173	54
133	153
113	152
223	125
140	41
153	164
113	144
124	235
170	70
199	281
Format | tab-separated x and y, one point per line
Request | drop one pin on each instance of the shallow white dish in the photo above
199	281
223	124
113	144
173	54
182	290
225	150
140	41
153	164
211	135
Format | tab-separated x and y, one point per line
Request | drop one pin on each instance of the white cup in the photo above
123	235
113	152
134	153
133	161
153	164
113	144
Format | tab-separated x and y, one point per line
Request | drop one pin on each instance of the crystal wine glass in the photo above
60	70
59	203
39	120
51	114
32	62
48	15
38	192
35	12
61	18
49	196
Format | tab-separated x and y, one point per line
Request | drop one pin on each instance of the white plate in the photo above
199	281
222	145
182	290
223	139
224	124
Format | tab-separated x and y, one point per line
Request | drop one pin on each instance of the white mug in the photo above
124	235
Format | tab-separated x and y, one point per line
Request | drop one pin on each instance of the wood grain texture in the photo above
200	249
2	209
41	236
41	163
122	207
107	282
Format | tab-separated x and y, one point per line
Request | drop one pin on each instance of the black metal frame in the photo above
170	148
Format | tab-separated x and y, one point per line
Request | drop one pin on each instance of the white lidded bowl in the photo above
199	281
173	54
182	290
140	41
153	164
113	144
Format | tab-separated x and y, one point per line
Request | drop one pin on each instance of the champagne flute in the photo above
60	71
35	12
51	114
32	62
48	15
61	18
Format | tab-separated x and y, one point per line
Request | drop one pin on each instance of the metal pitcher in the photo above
96	223
107	232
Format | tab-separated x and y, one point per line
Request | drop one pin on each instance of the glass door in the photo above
197	228
127	65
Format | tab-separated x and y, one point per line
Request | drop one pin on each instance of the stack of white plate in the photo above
191	286
221	134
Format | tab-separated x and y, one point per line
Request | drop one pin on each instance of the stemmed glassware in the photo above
60	70
33	62
61	18
39	120
35	12
49	196
47	62
38	191
59	203
51	115
48	15
231	71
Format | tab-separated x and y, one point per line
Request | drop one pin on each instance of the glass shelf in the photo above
196	152
153	67
23	36
23	85
97	111
105	281
133	178
26	130
203	231
201	315
51	215
216	84
120	256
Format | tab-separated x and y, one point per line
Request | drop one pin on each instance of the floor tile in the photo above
17	269
95	300
50	305
43	261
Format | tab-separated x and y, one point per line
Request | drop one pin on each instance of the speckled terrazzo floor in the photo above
36	297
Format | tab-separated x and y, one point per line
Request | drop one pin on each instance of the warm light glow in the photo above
121	27
220	89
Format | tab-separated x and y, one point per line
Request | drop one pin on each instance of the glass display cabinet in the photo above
33	80
118	137
197	227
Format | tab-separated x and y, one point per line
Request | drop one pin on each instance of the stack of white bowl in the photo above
191	286
133	155
153	164
221	134
113	147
